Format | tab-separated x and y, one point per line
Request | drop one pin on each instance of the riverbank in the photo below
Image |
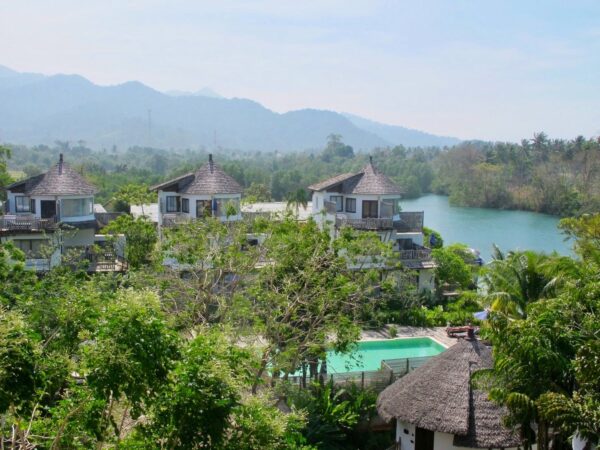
481	228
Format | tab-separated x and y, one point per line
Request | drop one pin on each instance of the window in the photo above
32	206
369	209
172	204
185	205
228	205
339	202
351	205
33	248
22	204
77	207
390	207
203	208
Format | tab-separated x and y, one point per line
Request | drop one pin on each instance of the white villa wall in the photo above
426	280
319	198
38	205
441	441
162	204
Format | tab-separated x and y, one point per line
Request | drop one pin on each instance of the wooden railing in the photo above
407	222
410	221
174	219
26	223
422	254
365	224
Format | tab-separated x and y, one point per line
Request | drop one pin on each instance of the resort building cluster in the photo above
53	219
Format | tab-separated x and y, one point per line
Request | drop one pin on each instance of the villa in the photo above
369	200
51	215
436	407
208	192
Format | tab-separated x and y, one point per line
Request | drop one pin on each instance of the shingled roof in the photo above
368	181
207	180
438	396
61	179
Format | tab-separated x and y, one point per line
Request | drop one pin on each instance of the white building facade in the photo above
50	215
368	200
208	192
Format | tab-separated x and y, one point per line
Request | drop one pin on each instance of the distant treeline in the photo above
552	176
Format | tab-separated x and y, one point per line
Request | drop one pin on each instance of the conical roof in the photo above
438	396
368	181
207	180
61	179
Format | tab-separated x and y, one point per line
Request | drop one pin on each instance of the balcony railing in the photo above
422	254
174	219
407	222
12	223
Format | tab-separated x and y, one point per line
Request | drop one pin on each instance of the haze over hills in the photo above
38	109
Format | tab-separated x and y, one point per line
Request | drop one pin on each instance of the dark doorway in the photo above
423	439
48	209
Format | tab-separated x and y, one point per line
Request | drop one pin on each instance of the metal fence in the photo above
377	380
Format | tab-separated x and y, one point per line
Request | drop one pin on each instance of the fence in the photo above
377	380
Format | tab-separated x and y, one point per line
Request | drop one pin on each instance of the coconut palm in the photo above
514	280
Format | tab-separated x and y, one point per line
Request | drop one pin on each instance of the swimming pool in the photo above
367	355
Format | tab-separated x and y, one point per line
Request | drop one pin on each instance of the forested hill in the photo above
38	109
540	174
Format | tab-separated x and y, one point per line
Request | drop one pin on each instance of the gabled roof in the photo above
207	180
368	181
61	179
438	396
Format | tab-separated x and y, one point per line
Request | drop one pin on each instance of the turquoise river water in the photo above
479	228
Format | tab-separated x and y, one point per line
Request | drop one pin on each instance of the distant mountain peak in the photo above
204	92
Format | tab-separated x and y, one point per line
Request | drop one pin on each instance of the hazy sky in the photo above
497	70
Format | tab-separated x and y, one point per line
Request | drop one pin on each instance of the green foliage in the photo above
18	358
193	409
517	279
5	178
333	415
453	266
432	238
141	238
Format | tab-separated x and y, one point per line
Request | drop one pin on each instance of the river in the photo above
479	228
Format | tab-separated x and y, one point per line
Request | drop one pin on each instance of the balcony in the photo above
174	219
417	254
407	222
27	224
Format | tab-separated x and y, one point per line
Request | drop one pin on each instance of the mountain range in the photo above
40	109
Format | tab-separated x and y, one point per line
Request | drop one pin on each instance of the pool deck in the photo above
437	333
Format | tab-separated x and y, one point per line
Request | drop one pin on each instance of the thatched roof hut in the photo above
439	397
209	179
59	180
369	181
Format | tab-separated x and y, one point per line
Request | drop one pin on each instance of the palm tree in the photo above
514	280
296	199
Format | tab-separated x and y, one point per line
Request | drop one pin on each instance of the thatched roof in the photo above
438	396
207	180
61	179
368	181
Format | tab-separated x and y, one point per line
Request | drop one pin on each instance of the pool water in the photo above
367	355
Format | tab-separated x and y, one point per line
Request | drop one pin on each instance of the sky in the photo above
494	70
